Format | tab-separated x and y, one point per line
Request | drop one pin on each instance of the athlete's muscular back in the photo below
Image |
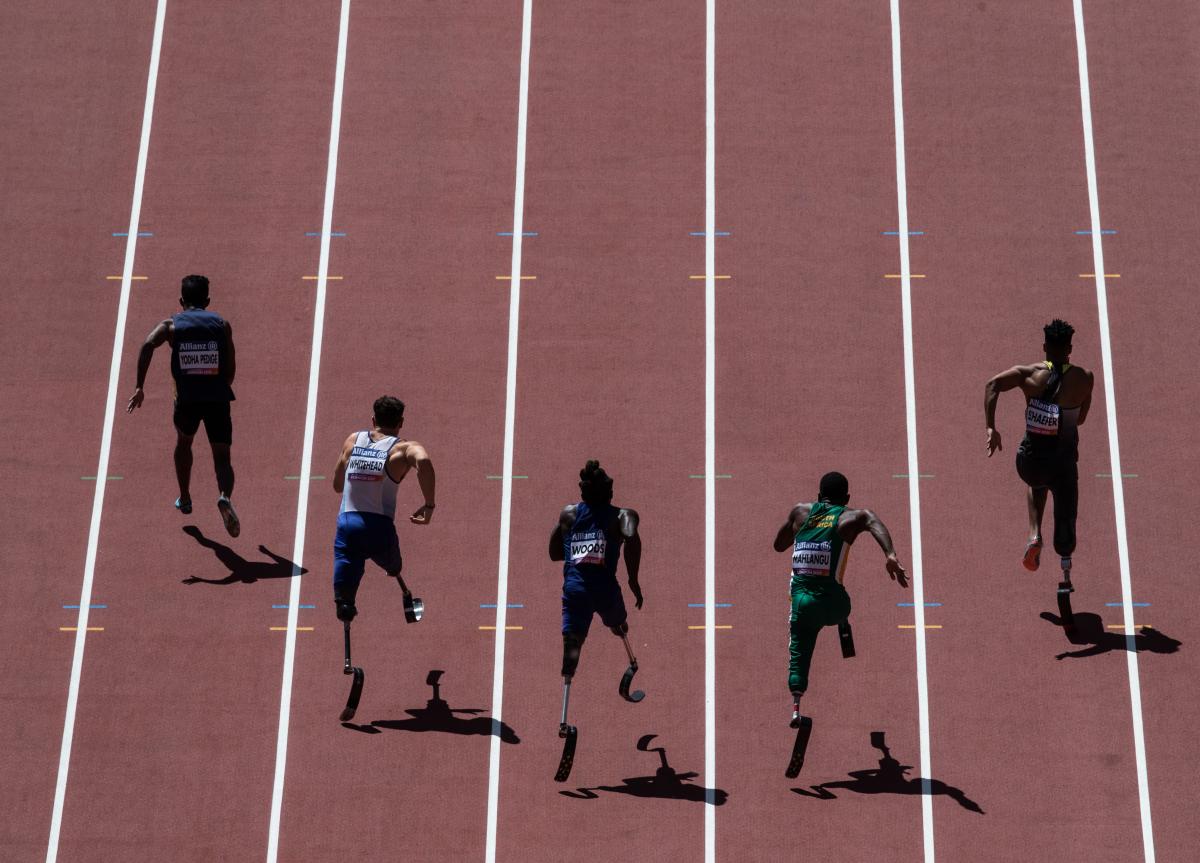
1074	392
851	523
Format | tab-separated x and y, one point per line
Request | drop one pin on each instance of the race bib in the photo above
366	464
589	548
1041	417
812	558
199	358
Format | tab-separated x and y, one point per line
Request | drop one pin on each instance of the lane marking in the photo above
76	629
913	604
518	278
510	233
493	605
901	276
122	278
318	233
1123	476
919	476
910	411
710	430
288	606
285	629
1109	231
705	605
714	626
93	605
1121	604
706	277
1093	275
914	626
320	278
1114	448
514	476
297	476
897	233
1133	625
302	492
110	477
703	476
126	234
110	409
705	234
507	628
510	423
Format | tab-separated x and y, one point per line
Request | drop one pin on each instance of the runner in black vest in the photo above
1058	396
202	366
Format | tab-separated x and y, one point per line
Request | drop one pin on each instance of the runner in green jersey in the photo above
819	536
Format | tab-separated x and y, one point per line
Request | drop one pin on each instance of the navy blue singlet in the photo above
198	357
588	549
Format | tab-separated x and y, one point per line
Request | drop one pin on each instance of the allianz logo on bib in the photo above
366	465
812	558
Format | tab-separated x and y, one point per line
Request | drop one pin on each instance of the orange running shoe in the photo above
1033	556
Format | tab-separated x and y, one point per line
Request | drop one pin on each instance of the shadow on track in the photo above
437	715
241	571
665	783
888	778
1089	631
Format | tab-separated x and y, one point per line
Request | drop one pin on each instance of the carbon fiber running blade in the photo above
626	679
568	754
799	748
356	688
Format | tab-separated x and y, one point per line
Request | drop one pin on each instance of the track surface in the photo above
173	754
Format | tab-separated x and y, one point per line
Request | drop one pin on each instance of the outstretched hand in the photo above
636	590
993	442
424	515
135	401
896	571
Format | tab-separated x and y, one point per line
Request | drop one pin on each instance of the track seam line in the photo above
1114	449
510	422
89	567
304	491
710	432
910	399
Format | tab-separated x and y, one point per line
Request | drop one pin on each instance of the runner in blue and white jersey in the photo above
368	473
588	539
202	369
1058	396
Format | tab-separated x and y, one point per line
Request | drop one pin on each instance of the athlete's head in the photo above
389	412
194	292
835	488
594	484
1058	340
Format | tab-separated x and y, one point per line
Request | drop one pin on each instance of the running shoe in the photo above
185	508
1033	556
232	525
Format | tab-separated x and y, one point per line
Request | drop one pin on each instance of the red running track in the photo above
173	753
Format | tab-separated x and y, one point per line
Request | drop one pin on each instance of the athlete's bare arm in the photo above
786	534
339	471
566	518
410	455
1086	404
230	358
627	519
854	521
159	335
1017	376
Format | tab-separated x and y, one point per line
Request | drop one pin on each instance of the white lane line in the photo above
910	403
710	433
89	566
510	424
1114	449
314	376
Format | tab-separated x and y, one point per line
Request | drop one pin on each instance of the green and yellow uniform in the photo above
819	558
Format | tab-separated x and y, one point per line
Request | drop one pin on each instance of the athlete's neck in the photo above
393	431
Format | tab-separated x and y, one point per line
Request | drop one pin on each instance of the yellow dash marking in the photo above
914	626
298	629
705	277
899	276
1135	626
134	278
507	627
726	626
327	278
1093	275
76	629
509	278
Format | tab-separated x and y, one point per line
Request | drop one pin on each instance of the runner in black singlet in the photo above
1057	398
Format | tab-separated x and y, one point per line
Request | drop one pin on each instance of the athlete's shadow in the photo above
241	571
437	715
665	783
1090	632
889	778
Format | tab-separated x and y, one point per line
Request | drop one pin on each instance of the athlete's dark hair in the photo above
1058	333
194	291
389	410
594	484
834	487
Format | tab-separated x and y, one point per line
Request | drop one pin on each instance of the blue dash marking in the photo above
715	233
1088	233
126	234
90	606
298	606
715	605
1119	604
913	604
511	234
493	605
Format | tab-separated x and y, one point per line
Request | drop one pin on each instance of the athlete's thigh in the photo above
186	418
385	548
576	607
608	601
218	424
